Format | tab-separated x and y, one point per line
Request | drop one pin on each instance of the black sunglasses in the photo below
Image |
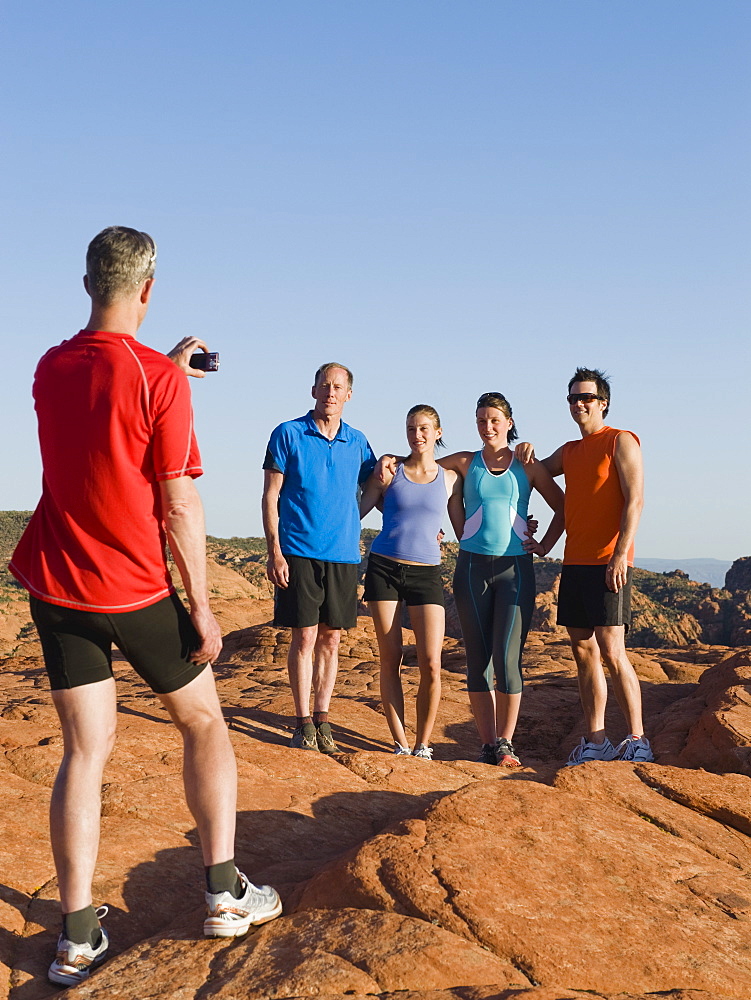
582	397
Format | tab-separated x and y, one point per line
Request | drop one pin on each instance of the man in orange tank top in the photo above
604	500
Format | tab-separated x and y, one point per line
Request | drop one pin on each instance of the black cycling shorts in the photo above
156	640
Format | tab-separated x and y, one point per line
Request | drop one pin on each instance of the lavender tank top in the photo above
412	517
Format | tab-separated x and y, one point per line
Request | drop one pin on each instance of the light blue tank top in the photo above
496	509
412	517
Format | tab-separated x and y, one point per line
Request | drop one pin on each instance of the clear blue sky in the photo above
448	197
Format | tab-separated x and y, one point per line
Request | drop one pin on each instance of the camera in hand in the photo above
205	362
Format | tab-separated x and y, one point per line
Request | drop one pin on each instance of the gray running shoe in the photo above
487	754
635	748
230	917
505	753
304	737
584	752
400	751
75	962
325	740
423	752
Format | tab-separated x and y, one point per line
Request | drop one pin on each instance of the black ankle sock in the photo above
320	717
82	927
301	720
224	878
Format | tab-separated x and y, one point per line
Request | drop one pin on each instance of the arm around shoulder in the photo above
373	490
553	495
458	462
554	463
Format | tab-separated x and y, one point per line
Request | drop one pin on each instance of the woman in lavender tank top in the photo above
404	566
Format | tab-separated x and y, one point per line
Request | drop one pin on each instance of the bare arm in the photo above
458	462
456	506
181	353
629	465
554	463
552	494
277	569
182	512
373	490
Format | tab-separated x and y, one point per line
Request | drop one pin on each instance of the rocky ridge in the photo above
403	878
669	609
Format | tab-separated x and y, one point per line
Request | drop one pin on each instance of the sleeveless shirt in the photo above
594	499
412	517
496	509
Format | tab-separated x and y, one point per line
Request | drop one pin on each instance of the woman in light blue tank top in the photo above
404	566
494	583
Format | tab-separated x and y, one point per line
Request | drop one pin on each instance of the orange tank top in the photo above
594	500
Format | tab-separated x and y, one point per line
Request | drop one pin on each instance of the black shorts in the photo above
319	593
585	602
388	580
156	640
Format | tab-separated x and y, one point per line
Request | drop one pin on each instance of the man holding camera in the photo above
119	457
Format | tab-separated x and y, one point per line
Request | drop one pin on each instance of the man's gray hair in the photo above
325	369
118	261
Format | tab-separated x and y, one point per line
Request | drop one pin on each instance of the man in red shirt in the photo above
119	458
604	500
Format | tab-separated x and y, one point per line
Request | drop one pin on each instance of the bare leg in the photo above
482	704
209	767
325	666
88	716
387	622
593	689
428	624
507	713
611	640
300	667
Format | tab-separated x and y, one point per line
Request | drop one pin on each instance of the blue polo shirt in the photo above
319	517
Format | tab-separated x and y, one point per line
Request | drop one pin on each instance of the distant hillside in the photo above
670	609
702	570
12	523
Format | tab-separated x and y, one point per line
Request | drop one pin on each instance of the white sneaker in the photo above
75	962
591	751
423	752
230	917
635	748
400	751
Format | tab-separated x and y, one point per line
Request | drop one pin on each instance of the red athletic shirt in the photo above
115	418
594	500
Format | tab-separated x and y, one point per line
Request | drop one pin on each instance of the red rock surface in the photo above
403	878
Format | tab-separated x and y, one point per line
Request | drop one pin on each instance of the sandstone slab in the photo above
510	865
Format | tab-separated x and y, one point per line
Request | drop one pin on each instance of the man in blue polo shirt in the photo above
312	471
